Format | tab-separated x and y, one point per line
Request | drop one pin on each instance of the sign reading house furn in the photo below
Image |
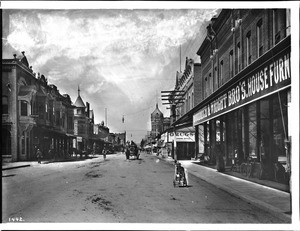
268	78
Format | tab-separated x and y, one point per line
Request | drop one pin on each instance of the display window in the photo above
280	125
252	132
265	129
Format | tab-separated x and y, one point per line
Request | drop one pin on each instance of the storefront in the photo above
247	118
183	141
60	144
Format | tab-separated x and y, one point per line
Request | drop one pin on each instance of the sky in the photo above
120	58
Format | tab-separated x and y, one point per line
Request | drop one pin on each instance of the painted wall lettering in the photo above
274	75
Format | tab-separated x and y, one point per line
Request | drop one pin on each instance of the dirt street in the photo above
118	191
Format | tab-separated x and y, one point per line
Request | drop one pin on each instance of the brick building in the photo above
243	91
181	136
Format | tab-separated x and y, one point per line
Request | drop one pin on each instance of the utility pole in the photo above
175	99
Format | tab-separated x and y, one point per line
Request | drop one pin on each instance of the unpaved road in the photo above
118	191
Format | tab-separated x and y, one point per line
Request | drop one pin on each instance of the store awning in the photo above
185	121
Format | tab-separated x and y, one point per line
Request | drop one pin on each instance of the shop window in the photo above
259	38
252	125
207	136
218	131
232	133
24	109
4	105
208	132
201	139
248	48
280	124
265	131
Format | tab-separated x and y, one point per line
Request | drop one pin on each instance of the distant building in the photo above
157	122
81	121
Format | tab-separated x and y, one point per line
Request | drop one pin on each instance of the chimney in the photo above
23	52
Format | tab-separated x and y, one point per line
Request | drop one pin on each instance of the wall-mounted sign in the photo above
271	77
182	136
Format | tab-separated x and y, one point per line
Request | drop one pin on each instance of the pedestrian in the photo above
104	151
94	148
127	153
39	155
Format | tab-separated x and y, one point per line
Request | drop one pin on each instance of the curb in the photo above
20	166
43	162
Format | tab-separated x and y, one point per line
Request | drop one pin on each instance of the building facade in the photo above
181	135
157	122
81	124
34	113
244	91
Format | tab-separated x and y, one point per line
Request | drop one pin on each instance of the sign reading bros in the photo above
271	77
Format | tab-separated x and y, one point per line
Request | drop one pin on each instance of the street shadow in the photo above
9	175
188	186
71	159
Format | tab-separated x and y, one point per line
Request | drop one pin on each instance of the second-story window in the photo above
216	82
70	123
63	120
4	105
248	48
57	118
238	56
221	71
24	109
259	38
231	64
279	24
41	110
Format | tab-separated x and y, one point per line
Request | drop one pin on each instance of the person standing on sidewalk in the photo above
104	151
39	155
